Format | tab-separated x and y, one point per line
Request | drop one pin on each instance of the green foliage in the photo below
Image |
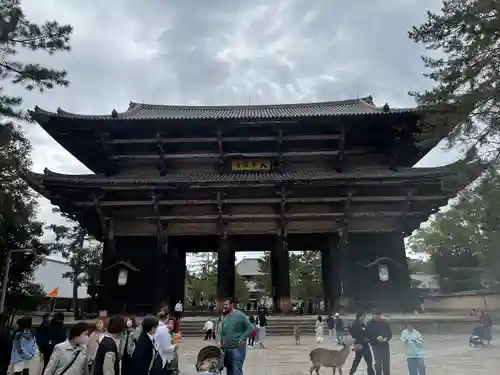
305	275
17	32
201	283
18	208
464	241
464	104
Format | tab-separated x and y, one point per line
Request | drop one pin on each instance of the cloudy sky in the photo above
226	52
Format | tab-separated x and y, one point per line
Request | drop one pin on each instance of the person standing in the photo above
145	360
379	335
330	323
413	342
23	347
107	357
178	310
56	334
127	345
487	323
163	343
70	356
5	344
235	331
94	340
261	326
361	345
319	329
42	340
339	329
208	328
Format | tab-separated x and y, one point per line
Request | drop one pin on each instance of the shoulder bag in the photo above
71	363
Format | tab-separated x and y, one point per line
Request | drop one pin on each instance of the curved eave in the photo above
148	112
472	170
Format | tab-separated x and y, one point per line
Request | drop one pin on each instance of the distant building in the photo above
249	269
50	273
427	282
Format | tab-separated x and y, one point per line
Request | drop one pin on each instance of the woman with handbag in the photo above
70	356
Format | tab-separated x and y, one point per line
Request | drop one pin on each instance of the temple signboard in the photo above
240	165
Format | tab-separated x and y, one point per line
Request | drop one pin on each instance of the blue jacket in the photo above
24	347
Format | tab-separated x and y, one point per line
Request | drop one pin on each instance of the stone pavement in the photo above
444	355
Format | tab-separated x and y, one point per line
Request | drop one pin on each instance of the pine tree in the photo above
84	256
464	63
19	228
17	32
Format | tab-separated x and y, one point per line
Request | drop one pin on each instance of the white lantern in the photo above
383	272
122	276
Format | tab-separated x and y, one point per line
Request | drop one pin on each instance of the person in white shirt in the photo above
208	328
178	310
163	341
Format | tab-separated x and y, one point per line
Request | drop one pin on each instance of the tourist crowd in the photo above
114	346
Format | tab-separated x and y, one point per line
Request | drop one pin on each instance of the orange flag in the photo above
54	293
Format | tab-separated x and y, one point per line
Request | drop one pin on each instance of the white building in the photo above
50	275
249	269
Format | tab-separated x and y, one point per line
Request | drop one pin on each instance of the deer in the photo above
335	359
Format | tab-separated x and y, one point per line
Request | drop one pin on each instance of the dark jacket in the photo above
145	360
56	333
359	333
261	320
262	310
339	324
5	349
106	345
330	322
378	328
43	337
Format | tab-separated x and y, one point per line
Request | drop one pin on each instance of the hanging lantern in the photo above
122	276
383	272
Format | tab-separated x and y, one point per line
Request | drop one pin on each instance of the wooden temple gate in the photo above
334	177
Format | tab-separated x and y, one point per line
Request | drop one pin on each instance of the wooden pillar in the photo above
225	272
106	282
345	281
402	279
325	265
159	259
330	272
275	280
284	303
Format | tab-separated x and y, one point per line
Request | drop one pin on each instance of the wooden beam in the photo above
221	149
354	151
162	162
340	156
97	205
108	170
406	209
280	148
273	217
347	210
298	137
394	150
253	201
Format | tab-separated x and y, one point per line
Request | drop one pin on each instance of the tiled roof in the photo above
137	111
246	177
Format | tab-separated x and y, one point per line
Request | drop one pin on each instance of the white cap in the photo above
337	314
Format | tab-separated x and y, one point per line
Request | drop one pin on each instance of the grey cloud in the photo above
225	52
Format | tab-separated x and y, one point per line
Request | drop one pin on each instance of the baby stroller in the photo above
477	338
210	361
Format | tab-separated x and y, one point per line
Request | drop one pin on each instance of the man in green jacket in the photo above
235	331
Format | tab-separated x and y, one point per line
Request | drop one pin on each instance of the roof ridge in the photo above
134	105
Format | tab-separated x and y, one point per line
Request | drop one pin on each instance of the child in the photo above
413	343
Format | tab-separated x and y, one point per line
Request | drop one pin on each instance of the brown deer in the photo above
335	359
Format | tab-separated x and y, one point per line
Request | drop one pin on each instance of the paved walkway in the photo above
445	355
